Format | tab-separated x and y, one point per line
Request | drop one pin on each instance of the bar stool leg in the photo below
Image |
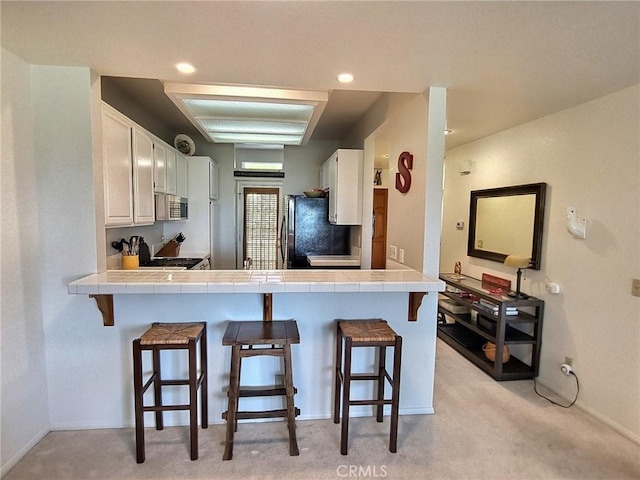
346	396
338	377
204	388
395	396
157	388
234	386
139	414
291	411
193	400
382	360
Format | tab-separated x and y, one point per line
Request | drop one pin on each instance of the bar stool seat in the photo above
366	333
170	336
244	337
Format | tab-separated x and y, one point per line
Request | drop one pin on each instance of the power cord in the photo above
535	389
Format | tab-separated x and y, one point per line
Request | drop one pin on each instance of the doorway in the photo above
260	213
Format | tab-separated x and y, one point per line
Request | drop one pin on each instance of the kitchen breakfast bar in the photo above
130	300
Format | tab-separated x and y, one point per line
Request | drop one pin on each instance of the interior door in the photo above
379	238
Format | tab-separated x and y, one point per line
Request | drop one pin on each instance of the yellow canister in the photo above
130	262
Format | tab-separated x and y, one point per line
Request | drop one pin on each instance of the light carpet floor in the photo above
482	429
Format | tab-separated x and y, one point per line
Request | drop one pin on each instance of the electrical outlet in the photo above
393	252
635	287
401	258
568	361
566	369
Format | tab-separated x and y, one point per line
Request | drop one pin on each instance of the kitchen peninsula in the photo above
315	298
266	282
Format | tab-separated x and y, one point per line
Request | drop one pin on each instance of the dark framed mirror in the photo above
507	221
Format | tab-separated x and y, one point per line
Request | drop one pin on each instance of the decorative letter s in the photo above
403	177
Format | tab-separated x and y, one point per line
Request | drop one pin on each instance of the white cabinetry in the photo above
160	167
128	171
143	201
171	171
344	171
117	167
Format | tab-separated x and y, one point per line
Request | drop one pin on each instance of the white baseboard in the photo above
607	421
358	411
23	451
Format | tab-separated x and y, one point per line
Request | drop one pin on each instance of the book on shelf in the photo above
495	309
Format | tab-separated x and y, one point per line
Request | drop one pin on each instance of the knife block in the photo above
169	249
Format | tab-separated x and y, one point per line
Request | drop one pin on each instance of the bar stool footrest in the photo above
281	413
370	402
264	391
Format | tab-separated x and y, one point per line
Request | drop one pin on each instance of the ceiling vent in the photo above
246	114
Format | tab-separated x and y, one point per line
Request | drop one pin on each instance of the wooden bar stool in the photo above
366	333
243	338
171	336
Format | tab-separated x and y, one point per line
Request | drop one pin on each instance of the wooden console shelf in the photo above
470	331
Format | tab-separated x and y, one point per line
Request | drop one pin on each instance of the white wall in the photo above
48	239
24	401
589	157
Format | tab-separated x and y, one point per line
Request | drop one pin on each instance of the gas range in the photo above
177	263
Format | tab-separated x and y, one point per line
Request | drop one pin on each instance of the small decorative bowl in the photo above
314	193
489	350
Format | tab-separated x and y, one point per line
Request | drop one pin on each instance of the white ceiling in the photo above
504	63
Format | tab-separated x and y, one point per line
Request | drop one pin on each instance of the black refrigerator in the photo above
306	231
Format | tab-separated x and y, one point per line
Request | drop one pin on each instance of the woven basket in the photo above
489	350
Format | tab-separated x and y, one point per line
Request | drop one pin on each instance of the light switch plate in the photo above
393	252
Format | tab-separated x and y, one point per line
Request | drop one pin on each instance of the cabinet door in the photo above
332	167
182	176
171	171
346	188
116	150
143	201
160	167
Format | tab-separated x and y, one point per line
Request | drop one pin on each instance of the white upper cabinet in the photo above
170	171
160	167
117	164
143	201
344	173
128	171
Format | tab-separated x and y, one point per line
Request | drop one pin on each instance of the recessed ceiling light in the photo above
186	68
345	78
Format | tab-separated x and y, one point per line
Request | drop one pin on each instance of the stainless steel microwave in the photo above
171	207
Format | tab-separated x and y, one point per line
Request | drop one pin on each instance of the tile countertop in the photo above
253	281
